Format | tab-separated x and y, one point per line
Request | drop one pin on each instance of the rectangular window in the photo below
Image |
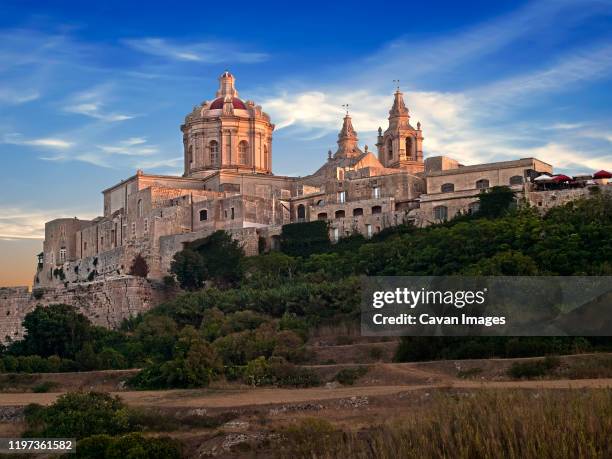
376	192
232	209
336	234
146	225
369	230
342	197
62	255
133	229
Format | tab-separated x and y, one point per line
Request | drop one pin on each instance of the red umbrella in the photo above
602	175
561	178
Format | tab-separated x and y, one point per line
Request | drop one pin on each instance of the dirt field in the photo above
388	391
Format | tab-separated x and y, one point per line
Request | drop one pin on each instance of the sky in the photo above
92	91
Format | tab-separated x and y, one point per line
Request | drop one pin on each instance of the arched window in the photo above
390	149
243	152
482	184
203	215
447	188
139	208
322	216
409	147
376	210
301	212
441	213
473	207
340	214
358	212
190	154
516	180
213	146
265	158
321	202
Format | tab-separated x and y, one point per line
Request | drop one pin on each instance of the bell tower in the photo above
401	145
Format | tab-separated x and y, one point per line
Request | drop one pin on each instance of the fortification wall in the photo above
106	302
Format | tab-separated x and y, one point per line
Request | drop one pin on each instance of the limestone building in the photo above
228	184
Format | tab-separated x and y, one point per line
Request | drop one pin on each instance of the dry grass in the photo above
487	424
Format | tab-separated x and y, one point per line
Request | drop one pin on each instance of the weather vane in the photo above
346	107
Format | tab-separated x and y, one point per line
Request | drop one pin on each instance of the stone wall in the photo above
545	200
105	303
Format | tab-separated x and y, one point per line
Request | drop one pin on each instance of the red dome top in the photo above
218	104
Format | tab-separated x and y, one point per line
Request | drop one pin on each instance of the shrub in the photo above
188	267
57	329
534	368
304	239
348	376
277	371
195	364
44	387
133	445
77	414
137	446
139	267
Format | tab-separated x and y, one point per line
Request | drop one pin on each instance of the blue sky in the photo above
91	91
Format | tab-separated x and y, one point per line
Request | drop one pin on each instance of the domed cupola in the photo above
227	133
227	94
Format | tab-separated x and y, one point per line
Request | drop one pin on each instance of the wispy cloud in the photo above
90	103
18	96
29	223
208	52
134	146
45	142
574	67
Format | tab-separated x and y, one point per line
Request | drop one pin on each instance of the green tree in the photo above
495	201
57	329
78	414
188	266
222	257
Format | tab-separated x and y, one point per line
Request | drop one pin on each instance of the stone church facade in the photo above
228	185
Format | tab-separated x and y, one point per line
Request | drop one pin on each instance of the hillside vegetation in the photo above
249	318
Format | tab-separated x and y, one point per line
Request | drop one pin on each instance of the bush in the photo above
94	447
188	267
139	267
195	364
534	368
277	371
304	239
44	387
77	414
58	329
133	445
348	376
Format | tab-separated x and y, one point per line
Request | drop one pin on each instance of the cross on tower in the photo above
397	82
346	107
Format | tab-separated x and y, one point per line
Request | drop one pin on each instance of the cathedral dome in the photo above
218	103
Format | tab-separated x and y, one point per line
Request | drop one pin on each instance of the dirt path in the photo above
209	398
